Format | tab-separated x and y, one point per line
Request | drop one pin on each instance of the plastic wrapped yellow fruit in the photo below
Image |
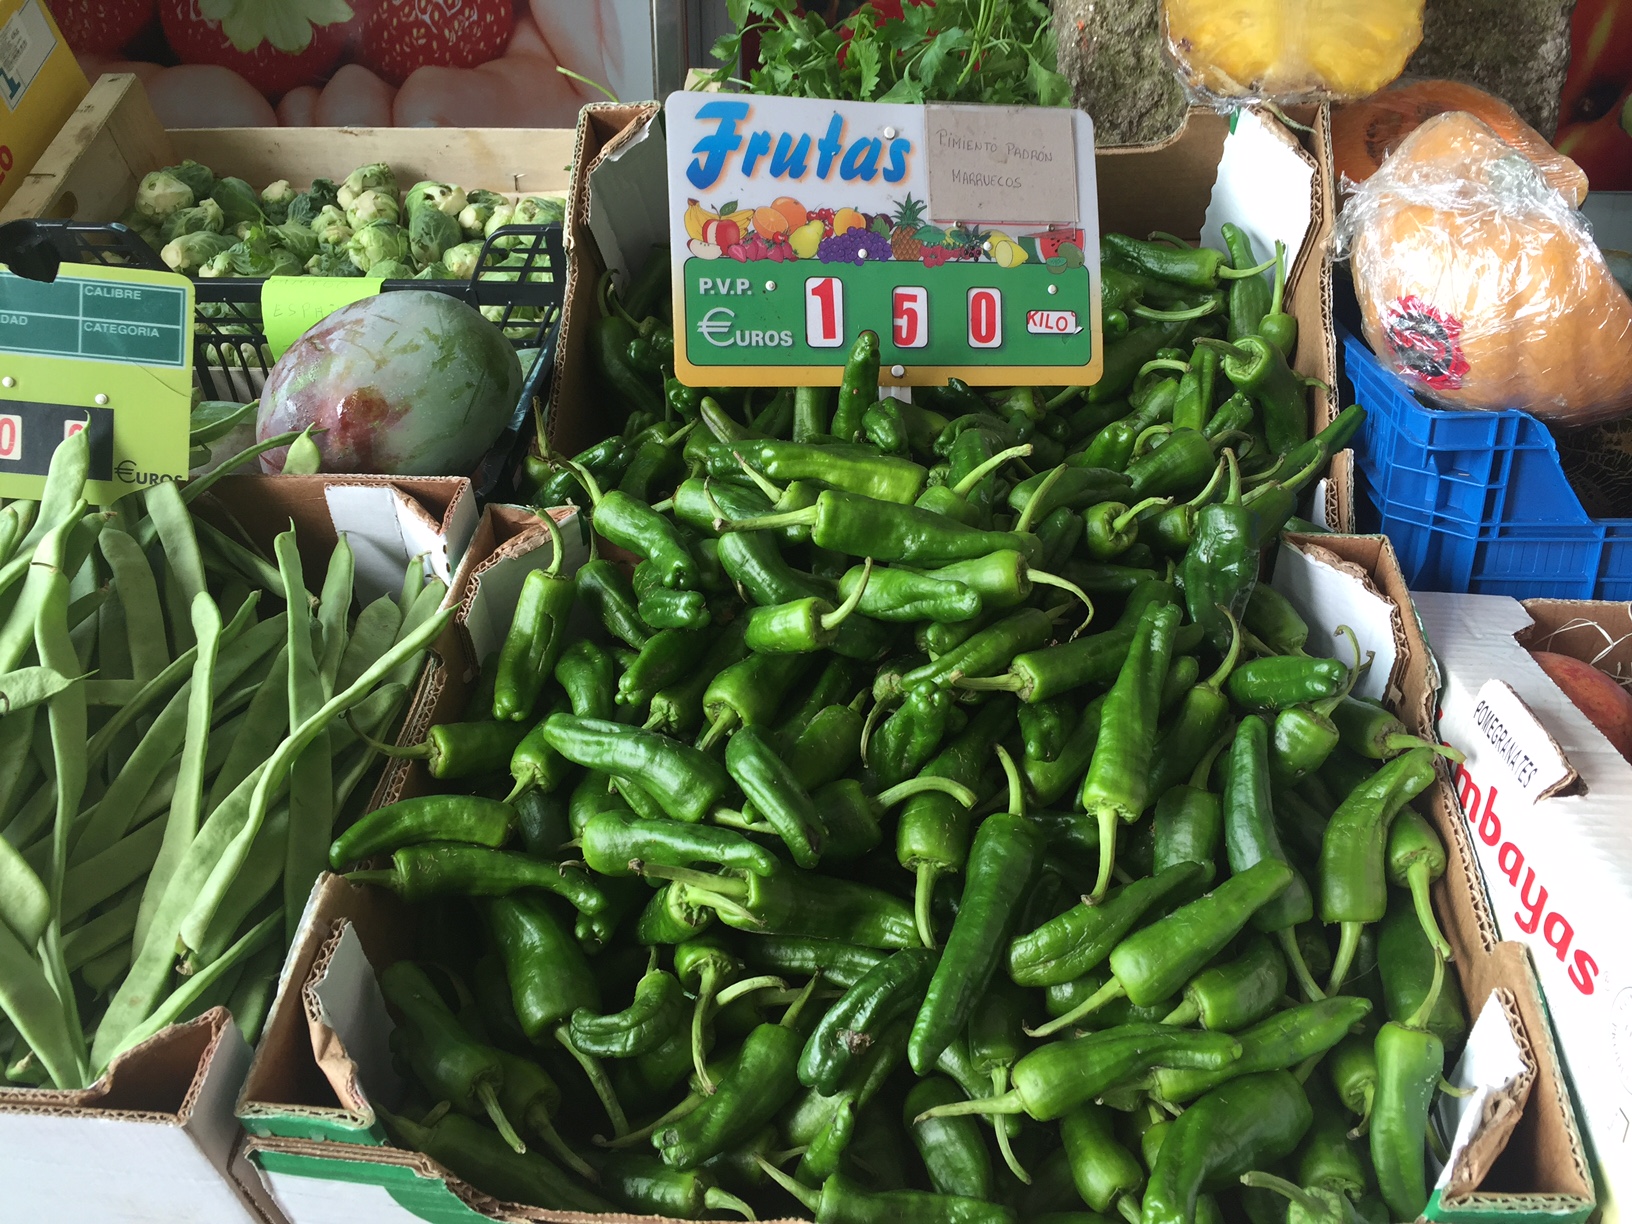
1291	50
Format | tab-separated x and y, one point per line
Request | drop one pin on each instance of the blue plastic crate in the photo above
1478	501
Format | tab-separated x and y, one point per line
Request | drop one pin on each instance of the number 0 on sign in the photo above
985	318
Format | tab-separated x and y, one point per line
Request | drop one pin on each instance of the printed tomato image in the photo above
357	63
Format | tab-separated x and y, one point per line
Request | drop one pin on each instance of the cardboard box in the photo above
1544	801
40	84
151	1140
1268	178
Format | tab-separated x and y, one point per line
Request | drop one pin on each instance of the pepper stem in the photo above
1036	501
591	485
1204	767
760	482
1128	1209
1233	497
1043	578
1393	745
1170	239
923	894
1210	306
747	986
490	1102
870	724
539	1120
1418	877
634	1137
1131	515
422	751
1288	937
522	786
722	886
1000	1081
723	1200
979	473
925	782
1184	1015
1225	348
1152	431
1164	363
791	1016
1017	792
718	729
557	551
1108	821
1278	298
1454	1090
1202	498
807	1197
1325	708
1367	1095
1348	944
1215	682
1243	273
1062	397
699	1021
1311	1206
1419	1018
832	620
769	522
1008	682
381	879
597	1080
1008	1103
609	298
1108	993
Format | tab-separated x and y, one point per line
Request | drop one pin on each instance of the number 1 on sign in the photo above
824	312
911	316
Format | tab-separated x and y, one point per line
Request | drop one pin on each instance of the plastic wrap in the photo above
1230	52
1365	132
1480	285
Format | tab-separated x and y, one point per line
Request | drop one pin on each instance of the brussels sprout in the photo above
218	266
187	253
523	322
238	201
306	206
275	200
461	260
200	179
479	206
330	227
162	194
391	269
245	228
374	177
285	263
376	242
372	206
204	216
332	261
431	232
499	218
441	196
434	271
537	210
296	239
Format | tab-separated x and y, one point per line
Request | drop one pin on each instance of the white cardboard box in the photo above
1548	806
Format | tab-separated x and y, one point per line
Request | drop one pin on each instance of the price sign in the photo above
108	351
966	238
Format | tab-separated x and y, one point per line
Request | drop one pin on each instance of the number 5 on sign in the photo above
824	312
985	319
911	316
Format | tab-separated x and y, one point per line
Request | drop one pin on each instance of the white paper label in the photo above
1011	165
1510	733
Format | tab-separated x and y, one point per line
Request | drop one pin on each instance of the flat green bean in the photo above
30	686
32	1006
176	603
425	606
181	825
261	874
91	882
64	490
174	522
17	633
139	595
264	723
237	559
311	778
372	635
252	997
18	768
109	929
333	609
25	902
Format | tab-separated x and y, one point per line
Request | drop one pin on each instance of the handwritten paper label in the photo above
1509	731
292	304
1001	165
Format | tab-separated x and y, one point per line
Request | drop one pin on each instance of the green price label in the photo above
290	305
102	350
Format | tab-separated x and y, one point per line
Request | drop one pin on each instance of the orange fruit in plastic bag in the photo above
1292	49
1365	132
1480	287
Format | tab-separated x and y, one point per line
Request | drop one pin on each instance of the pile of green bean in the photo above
174	752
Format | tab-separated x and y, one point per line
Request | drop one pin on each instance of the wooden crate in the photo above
92	169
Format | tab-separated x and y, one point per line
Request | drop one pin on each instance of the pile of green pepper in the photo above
1157	915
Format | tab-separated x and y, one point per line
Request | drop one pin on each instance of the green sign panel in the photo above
809	313
95	320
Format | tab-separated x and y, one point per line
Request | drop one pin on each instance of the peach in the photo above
847	219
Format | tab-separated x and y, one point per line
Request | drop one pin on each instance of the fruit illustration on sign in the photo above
698	219
806	239
905	242
847	219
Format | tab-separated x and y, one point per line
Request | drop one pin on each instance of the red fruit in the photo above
1606	704
100	27
401	35
737	252
197	40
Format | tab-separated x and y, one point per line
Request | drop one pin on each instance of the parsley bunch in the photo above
993	51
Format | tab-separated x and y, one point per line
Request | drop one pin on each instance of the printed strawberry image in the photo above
275	45
400	36
100	27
